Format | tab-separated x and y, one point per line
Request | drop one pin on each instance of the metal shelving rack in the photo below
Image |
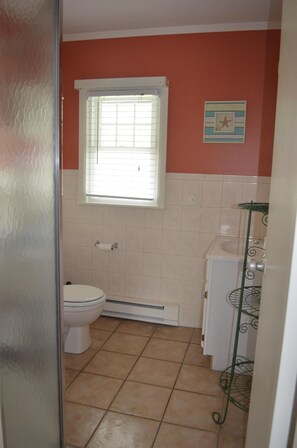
236	380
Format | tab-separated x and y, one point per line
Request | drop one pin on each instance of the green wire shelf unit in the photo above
236	380
251	296
262	207
237	384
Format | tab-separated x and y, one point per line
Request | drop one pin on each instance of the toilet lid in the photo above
81	294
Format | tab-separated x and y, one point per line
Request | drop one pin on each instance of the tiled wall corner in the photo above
161	255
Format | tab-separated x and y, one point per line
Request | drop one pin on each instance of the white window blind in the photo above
122	141
122	146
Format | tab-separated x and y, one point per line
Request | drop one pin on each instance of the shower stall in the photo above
30	312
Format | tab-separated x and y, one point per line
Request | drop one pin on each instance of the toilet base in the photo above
78	340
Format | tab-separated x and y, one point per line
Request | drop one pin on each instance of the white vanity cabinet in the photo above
224	266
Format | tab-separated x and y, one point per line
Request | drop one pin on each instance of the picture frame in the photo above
224	121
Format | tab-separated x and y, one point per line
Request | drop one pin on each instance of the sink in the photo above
230	247
234	246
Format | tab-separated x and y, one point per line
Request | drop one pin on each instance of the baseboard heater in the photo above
148	312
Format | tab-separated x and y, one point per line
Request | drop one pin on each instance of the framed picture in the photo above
224	121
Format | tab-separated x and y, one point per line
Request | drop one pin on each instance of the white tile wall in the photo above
161	255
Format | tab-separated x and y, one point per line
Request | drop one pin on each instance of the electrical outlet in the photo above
192	200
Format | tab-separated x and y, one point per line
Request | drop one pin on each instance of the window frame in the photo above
117	85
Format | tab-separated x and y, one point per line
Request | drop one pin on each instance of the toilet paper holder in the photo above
106	246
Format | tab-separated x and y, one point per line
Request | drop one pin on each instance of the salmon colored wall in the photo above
210	66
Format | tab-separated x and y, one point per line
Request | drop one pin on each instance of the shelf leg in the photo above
220	417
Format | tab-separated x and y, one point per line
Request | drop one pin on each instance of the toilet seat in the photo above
82	295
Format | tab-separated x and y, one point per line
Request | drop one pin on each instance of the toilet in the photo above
82	305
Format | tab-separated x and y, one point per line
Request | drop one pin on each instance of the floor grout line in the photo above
172	390
129	372
106	410
152	336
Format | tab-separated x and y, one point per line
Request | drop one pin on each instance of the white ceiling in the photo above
108	18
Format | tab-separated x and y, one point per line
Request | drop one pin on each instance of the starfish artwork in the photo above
225	122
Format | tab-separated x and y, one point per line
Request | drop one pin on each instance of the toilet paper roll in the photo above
104	246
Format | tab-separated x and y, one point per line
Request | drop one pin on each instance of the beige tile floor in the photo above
142	385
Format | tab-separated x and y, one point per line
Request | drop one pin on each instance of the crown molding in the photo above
214	28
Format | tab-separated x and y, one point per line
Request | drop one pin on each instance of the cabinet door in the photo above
221	317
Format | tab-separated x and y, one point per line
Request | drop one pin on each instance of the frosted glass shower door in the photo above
30	348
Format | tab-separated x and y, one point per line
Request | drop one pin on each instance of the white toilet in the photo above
82	306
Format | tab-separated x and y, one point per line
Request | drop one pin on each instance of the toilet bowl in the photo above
82	306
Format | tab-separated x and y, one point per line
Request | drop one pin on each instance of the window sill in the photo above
119	203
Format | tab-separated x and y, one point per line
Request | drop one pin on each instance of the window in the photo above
122	143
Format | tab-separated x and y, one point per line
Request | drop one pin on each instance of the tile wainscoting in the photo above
161	255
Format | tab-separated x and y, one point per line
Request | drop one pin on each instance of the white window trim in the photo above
86	85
